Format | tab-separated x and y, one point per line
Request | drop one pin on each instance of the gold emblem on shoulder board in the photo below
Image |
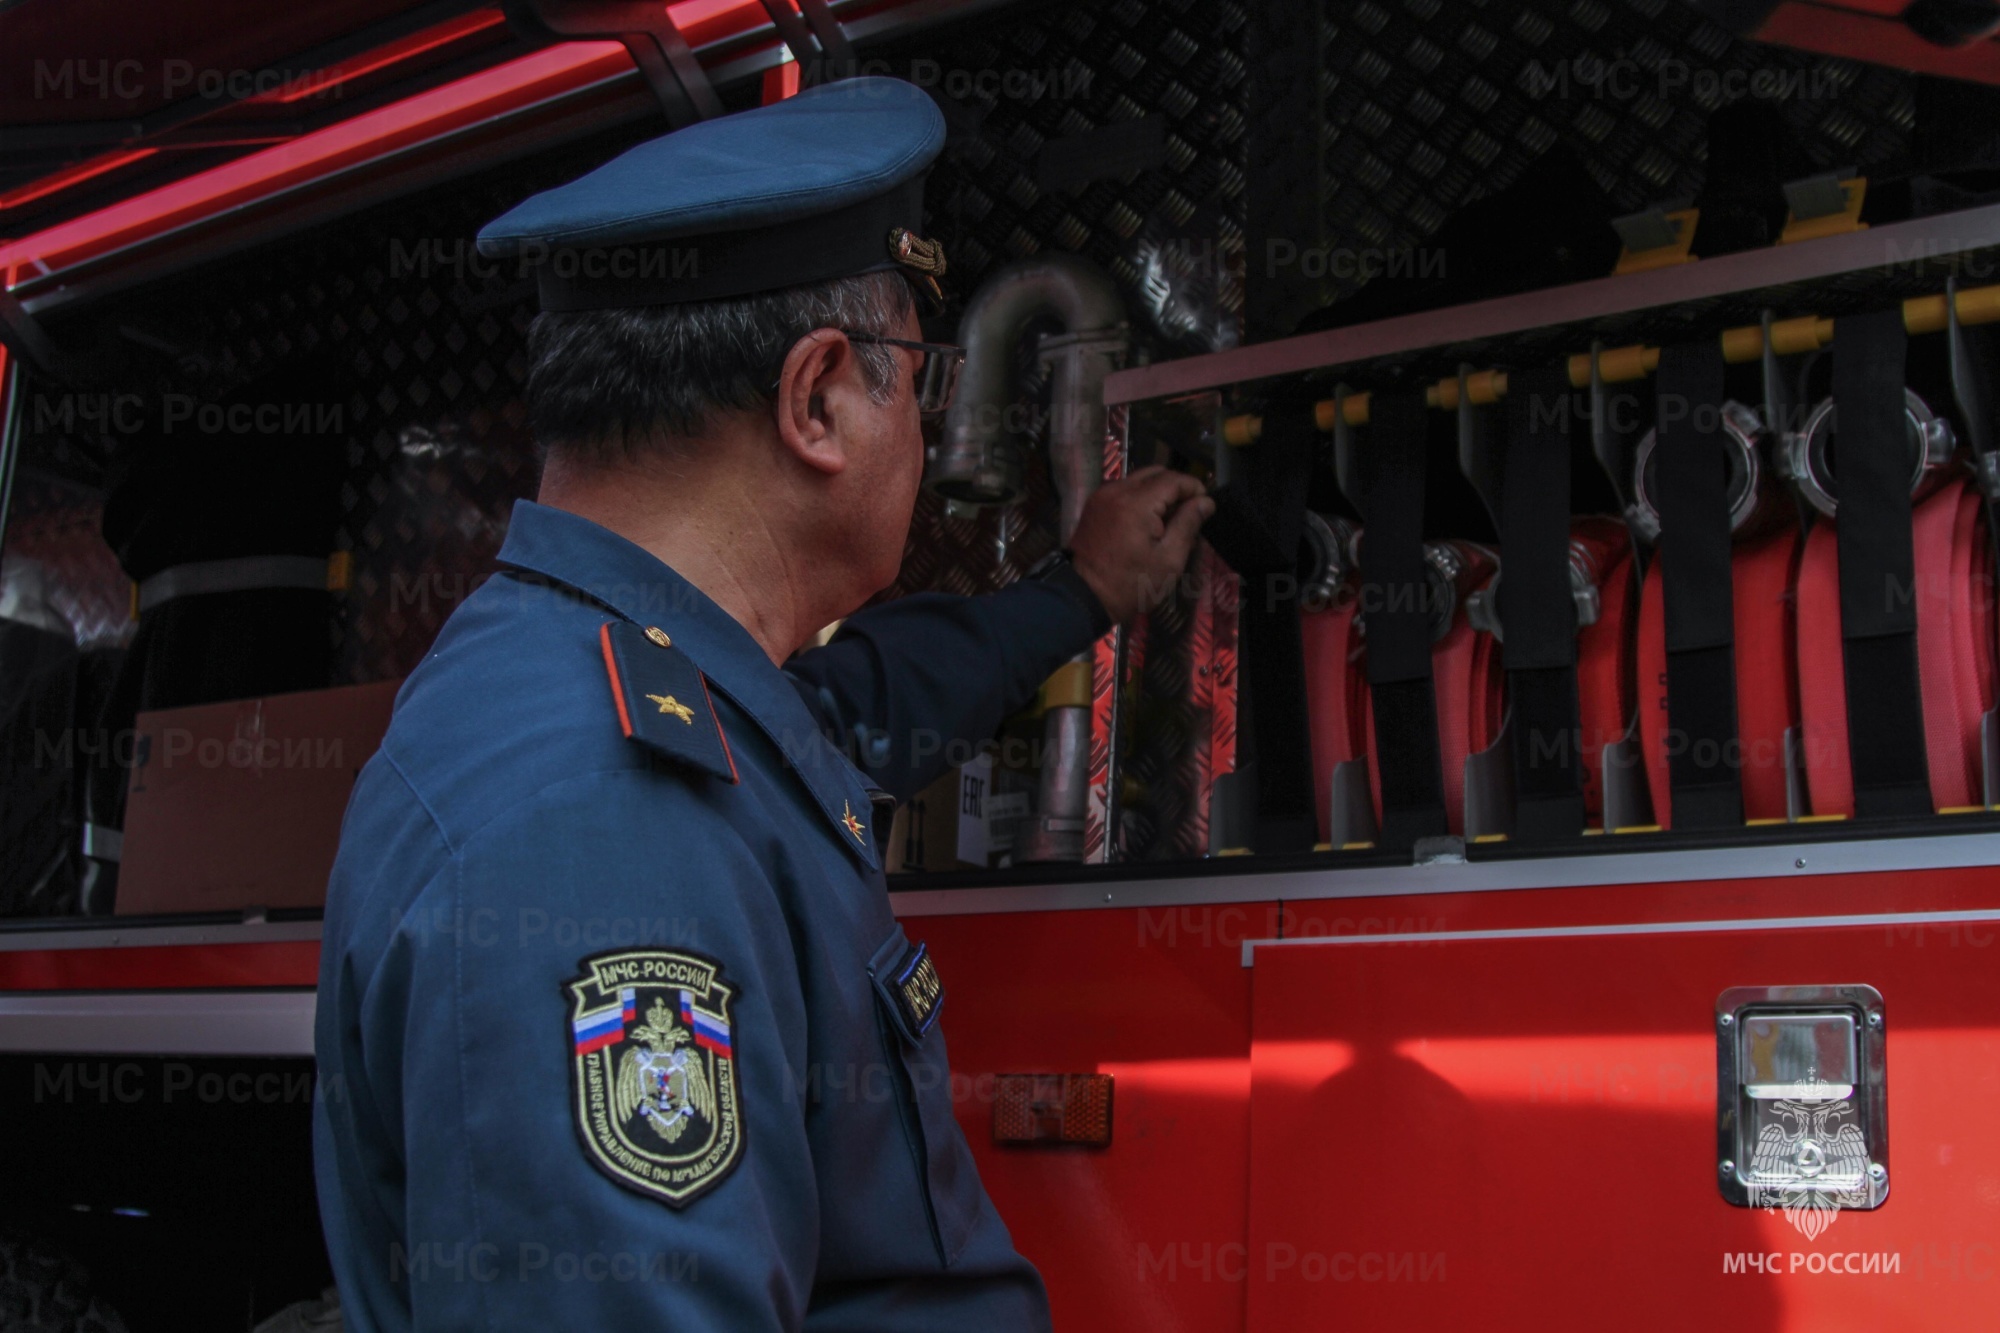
854	825
669	704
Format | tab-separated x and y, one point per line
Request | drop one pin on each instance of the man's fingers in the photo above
1186	523
1136	533
1163	489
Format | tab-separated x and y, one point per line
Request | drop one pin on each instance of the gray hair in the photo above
607	385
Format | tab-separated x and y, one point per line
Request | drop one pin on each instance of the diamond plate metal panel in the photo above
1428	105
1021	92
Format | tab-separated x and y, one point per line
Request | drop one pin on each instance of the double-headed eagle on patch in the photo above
656	1099
658	1081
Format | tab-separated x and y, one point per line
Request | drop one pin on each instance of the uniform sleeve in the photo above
903	680
601	1047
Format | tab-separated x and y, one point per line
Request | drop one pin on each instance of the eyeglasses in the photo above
937	374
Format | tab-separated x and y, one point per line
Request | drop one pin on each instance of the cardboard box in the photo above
238	805
967	819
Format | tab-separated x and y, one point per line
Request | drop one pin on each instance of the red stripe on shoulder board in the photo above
617	689
716	718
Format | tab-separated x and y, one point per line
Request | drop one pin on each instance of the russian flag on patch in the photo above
710	1033
606	1027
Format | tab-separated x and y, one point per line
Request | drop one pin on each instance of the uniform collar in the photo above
637	585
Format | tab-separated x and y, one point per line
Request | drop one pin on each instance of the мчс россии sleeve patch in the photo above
656	1096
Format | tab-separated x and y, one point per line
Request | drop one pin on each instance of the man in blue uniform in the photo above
615	1026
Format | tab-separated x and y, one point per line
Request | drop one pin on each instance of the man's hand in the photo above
1134	537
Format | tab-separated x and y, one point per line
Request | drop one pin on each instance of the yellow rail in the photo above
1622	365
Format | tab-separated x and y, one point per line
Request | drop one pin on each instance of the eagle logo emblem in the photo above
1811	1161
655	1089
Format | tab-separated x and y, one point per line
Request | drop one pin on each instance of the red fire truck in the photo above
1361	940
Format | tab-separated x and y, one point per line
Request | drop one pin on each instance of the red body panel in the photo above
1436	1144
1502	1133
1157	998
1401	1103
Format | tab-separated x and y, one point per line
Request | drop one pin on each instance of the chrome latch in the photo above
1802	1112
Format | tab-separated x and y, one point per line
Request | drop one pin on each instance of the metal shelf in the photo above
1624	860
1853	271
242	1022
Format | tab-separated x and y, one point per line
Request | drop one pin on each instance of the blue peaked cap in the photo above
823	185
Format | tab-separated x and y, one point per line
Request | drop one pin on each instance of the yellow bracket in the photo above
1674	252
1852	191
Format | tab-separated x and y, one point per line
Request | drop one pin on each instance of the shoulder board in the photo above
663	700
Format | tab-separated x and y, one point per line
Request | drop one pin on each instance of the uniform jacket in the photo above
618	1030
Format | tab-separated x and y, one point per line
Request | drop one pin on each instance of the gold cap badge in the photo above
922	257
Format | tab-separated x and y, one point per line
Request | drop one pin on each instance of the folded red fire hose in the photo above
1761	577
1466	681
1761	643
1955	654
1803	628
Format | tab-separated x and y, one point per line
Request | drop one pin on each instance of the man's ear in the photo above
809	388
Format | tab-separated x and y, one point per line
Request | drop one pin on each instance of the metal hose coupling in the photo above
1327	567
1806	460
1750	490
1482	608
1453	570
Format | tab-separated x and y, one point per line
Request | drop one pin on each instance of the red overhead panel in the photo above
341	138
1873	31
341	75
363	139
92	110
101	104
151	55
